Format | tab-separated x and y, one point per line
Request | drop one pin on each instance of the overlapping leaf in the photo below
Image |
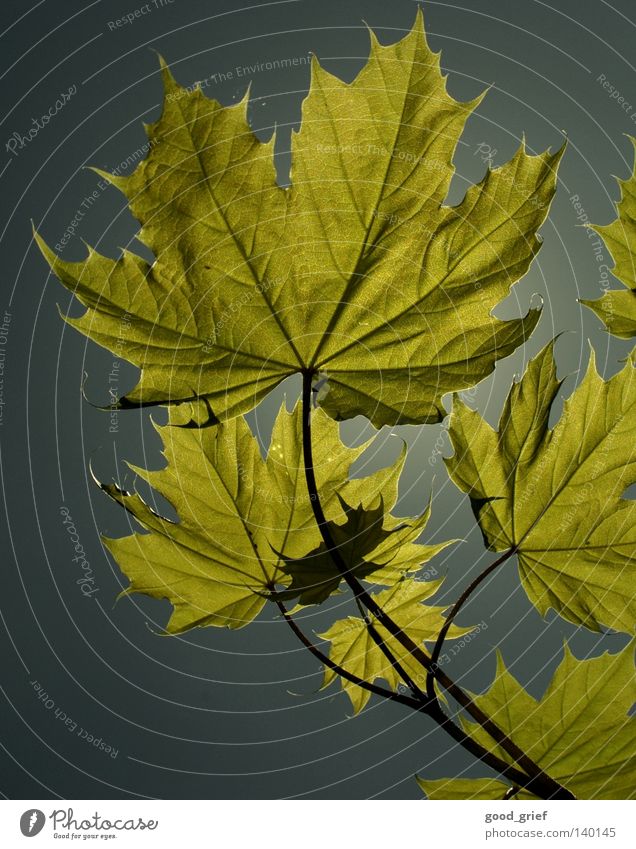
579	732
357	271
236	511
465	788
555	495
372	544
617	307
353	647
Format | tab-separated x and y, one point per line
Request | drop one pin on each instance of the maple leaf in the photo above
555	495
372	544
464	788
218	563
617	307
579	732
353	647
357	271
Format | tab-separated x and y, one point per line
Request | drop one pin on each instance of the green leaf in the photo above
555	495
354	649
464	788
617	308
579	732
357	271
218	563
374	546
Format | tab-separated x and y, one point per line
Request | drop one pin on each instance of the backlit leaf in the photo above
579	732
556	495
373	545
353	648
617	307
219	561
464	788
357	272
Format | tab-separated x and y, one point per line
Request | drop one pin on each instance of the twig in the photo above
430	675
515	776
538	781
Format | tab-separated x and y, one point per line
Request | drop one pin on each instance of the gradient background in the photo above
238	714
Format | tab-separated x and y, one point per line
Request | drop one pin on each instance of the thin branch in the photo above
359	592
339	670
510	772
401	671
386	651
430	675
541	783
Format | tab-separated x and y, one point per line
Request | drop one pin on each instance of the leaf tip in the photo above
373	39
167	78
113	179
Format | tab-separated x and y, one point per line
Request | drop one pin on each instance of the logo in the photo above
32	822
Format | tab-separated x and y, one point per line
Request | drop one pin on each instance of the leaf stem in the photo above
515	776
360	594
339	670
536	780
386	651
430	675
